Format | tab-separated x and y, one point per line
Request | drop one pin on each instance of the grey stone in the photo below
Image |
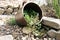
45	38
24	38
51	22
6	37
1	11
51	33
9	10
58	35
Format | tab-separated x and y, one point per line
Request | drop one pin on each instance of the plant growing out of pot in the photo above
31	13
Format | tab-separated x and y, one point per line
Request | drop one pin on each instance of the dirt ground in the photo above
16	30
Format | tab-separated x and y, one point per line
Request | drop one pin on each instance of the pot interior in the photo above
34	7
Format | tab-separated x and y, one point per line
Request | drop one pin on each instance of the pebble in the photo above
1	11
6	37
9	11
51	33
58	35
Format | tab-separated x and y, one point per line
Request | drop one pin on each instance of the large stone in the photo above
51	22
2	23
6	37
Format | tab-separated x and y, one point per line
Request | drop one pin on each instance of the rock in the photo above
14	13
2	22
6	37
49	38
24	38
45	38
51	22
27	30
51	33
1	11
4	19
58	35
29	37
9	11
15	9
37	38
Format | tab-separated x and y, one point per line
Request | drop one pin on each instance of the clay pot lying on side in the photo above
20	16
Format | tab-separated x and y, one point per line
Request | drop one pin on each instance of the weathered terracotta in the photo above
20	16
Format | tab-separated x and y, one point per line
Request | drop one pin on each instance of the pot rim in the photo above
28	3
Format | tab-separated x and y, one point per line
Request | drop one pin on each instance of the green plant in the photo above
33	22
29	16
56	7
12	21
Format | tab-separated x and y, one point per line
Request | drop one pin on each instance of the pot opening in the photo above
35	7
32	13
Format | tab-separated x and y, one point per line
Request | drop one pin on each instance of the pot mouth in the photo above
33	6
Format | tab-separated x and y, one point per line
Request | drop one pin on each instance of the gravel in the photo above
15	31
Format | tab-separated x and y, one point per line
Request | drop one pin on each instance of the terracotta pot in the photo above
20	16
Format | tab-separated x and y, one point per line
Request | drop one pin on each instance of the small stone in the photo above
9	11
1	11
6	37
2	22
27	30
37	38
24	38
51	33
32	37
45	38
29	37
